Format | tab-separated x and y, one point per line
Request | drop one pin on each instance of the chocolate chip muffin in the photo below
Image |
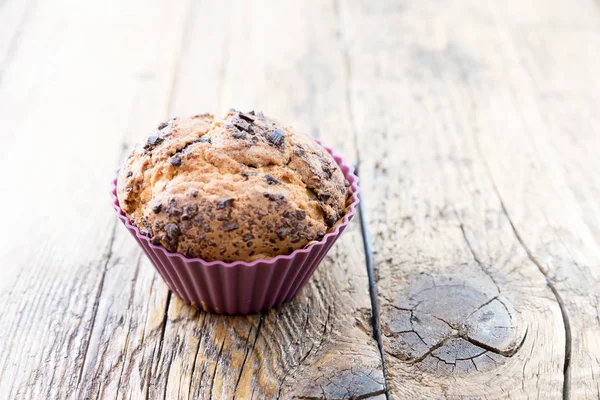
241	188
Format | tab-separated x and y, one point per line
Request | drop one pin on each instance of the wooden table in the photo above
475	127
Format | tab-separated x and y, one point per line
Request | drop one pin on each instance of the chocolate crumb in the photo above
241	124
246	174
175	160
282	232
172	231
230	226
189	211
238	134
330	220
224	203
324	196
271	180
276	137
129	174
248	117
163	125
156	207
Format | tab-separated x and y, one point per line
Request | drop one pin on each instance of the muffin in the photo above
235	214
241	188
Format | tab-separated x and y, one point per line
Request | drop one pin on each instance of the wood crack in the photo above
557	296
375	313
193	369
248	351
477	260
97	303
212	379
549	283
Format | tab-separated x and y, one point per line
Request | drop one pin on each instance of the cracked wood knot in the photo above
447	325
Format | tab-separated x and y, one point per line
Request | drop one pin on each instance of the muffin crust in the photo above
242	188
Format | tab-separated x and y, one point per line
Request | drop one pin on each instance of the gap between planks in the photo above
375	316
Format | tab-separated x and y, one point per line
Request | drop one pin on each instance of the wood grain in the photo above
475	125
101	323
445	110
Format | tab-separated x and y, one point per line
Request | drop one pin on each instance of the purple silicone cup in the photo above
239	287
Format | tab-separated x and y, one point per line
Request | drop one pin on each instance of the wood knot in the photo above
447	325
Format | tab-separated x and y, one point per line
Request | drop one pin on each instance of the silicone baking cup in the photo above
242	287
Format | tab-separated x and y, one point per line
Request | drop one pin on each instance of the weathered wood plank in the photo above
82	78
85	315
465	309
553	141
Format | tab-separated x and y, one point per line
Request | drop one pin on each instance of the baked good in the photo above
245	187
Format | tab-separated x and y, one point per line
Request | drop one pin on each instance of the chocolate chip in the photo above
330	220
175	160
203	139
271	180
248	117
189	211
172	231
224	203
282	232
146	232
300	214
254	140
194	193
246	174
275	248
238	134
222	251
320	235
156	207
324	196
240	124
171	210
230	226
163	125
228	126
247	237
274	197
152	141
251	112
253	130
129	174
276	137
299	152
